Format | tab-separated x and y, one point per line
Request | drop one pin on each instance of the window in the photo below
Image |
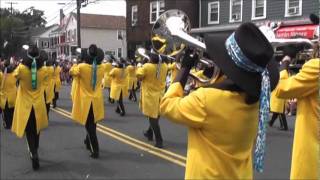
134	15
119	52
293	8
111	52
236	10
259	9
119	36
156	9
74	35
213	12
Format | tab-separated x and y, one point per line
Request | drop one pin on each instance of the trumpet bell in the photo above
141	53
164	32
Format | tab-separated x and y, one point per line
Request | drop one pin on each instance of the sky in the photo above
51	7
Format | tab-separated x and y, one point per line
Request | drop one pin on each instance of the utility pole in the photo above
10	24
78	23
11	9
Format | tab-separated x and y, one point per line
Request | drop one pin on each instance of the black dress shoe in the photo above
35	162
148	135
159	145
270	123
122	113
117	110
283	129
95	155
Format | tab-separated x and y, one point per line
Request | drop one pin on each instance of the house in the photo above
106	31
227	15
41	38
142	14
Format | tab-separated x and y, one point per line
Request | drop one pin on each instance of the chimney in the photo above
61	17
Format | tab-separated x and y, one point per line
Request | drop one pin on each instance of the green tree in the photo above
16	28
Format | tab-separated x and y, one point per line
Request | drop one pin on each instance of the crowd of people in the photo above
220	138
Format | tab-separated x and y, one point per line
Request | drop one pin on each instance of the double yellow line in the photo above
162	153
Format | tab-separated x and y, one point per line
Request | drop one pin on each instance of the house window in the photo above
74	35
259	9
119	52
134	15
156	9
213	12
293	8
111	52
120	35
236	10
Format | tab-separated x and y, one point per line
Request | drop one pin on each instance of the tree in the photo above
16	28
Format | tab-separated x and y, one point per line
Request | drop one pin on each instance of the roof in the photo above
102	21
40	30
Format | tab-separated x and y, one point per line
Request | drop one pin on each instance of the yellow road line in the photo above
117	135
133	139
65	111
142	148
143	143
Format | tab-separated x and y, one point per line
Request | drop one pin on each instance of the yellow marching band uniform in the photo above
221	138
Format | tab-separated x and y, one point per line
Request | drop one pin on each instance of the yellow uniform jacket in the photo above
118	83
75	82
306	145
277	105
107	79
8	92
174	71
56	77
222	131
152	89
85	96
49	89
27	98
132	78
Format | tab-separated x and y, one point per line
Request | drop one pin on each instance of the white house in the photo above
107	32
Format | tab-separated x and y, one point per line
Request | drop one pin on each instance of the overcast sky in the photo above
51	7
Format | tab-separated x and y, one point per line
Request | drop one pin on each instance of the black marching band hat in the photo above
255	46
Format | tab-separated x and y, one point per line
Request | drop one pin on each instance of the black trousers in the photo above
155	129
120	106
132	95
282	119
31	134
91	128
7	116
56	97
109	98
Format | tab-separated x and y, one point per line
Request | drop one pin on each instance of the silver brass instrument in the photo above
141	53
170	37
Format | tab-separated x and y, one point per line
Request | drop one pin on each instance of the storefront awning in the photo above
303	31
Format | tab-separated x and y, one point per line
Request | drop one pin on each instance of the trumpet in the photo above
141	54
170	36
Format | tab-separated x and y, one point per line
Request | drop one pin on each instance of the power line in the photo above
67	6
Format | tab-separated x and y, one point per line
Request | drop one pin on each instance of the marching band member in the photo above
57	82
88	108
49	89
277	107
132	81
30	115
8	92
75	80
221	136
119	87
305	87
173	71
153	81
107	79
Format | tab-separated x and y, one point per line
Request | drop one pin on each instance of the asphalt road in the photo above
124	152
